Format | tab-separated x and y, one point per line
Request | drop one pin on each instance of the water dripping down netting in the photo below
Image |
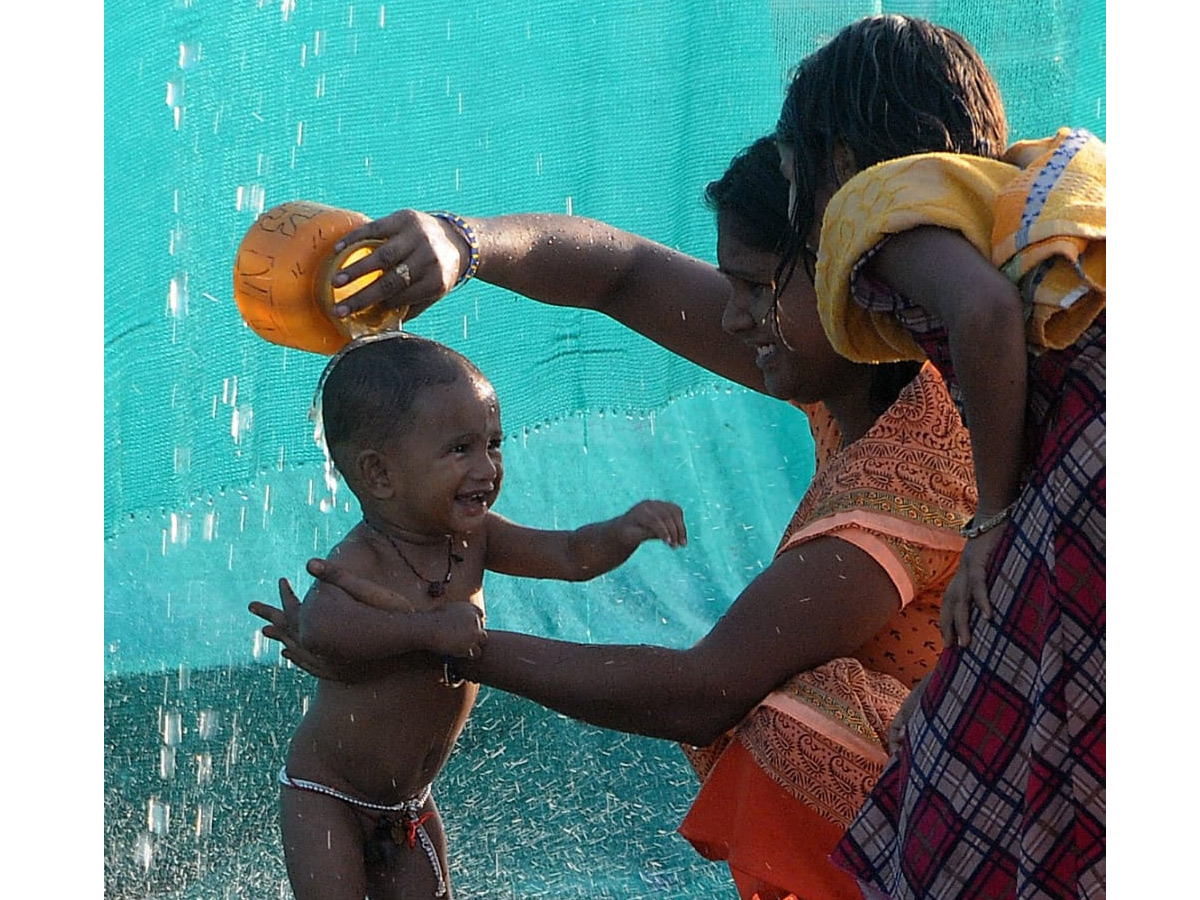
215	488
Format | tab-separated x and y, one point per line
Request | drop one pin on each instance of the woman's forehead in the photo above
740	259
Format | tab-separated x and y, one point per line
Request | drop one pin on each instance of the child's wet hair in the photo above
370	388
885	87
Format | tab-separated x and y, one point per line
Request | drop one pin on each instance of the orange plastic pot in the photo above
281	278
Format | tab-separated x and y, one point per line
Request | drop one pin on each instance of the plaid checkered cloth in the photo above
999	790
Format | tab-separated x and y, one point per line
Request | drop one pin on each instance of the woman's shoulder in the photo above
924	422
922	450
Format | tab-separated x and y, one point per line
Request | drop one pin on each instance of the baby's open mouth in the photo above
475	498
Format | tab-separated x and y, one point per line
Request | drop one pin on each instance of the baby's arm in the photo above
585	552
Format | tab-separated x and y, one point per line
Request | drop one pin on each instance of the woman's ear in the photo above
373	474
845	166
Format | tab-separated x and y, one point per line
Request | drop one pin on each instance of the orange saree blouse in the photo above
778	791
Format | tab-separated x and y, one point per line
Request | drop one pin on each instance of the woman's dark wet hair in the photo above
751	199
369	389
885	87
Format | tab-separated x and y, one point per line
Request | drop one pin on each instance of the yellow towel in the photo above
1055	212
1039	215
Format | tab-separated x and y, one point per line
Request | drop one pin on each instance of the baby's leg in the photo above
323	846
407	872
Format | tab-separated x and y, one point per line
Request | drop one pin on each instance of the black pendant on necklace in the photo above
434	588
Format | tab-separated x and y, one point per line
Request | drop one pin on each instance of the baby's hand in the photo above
456	629
654	519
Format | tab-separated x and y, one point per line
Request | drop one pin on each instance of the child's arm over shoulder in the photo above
587	551
984	320
334	625
981	311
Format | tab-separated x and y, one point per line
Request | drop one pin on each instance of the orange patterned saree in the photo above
779	790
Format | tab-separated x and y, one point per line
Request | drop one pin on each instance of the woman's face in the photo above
806	369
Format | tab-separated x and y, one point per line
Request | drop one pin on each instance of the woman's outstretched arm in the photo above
671	298
818	601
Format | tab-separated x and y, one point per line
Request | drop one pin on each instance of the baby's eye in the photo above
460	448
494	444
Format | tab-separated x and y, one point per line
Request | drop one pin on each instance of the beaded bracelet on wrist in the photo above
974	529
468	234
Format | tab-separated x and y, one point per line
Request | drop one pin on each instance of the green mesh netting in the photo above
622	111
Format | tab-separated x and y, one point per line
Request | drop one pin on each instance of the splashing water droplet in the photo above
204	819
172	727
158	816
207	724
204	769
143	851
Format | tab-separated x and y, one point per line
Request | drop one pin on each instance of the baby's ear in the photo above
373	474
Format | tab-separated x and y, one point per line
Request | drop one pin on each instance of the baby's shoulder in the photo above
358	552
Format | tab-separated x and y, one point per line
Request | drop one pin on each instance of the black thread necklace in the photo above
435	588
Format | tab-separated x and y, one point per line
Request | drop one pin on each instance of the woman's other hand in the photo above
895	733
284	626
448	629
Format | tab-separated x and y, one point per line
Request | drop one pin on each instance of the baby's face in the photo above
447	463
